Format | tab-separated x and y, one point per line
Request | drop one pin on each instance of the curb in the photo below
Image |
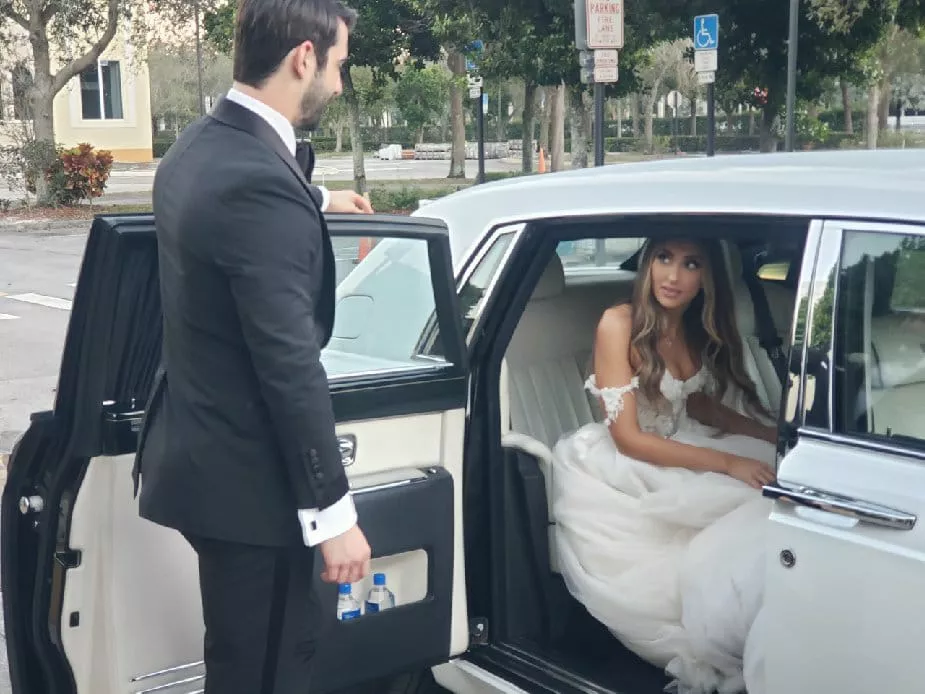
44	224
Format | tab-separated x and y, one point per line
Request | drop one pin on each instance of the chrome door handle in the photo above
348	449
864	511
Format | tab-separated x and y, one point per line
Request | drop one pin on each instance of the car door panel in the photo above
846	543
123	612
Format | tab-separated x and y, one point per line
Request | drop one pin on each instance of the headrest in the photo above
552	281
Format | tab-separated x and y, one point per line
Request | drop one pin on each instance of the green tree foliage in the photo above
421	95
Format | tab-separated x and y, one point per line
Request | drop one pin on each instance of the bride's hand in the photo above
750	471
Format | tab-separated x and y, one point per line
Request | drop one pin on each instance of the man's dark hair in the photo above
266	30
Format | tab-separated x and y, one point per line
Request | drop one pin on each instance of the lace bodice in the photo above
664	419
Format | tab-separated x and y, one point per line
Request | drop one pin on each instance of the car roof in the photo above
862	184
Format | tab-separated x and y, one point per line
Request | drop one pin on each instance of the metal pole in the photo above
202	104
711	120
481	122
792	72
598	124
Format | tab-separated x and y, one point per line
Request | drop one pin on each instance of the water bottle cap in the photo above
345	588
378	579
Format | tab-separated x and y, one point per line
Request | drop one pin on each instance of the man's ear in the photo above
304	59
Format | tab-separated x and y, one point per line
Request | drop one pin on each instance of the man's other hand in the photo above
346	557
348	202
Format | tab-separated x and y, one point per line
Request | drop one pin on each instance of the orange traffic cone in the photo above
541	168
366	245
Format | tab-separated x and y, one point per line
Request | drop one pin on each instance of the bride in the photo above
659	517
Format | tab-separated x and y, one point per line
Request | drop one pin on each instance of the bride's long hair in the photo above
709	326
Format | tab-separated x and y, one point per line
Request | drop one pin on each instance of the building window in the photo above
101	91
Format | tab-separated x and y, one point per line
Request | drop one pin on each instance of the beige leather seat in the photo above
757	362
546	364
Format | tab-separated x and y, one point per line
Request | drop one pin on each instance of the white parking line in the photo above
7	316
42	300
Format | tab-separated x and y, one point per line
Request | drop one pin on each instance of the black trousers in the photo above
262	617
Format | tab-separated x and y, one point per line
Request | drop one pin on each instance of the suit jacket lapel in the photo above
236	116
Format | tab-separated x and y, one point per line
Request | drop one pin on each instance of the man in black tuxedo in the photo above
238	450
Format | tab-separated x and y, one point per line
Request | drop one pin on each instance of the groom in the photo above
238	450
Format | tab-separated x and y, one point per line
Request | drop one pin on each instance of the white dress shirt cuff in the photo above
336	519
325	198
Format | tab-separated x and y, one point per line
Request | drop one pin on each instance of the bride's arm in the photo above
616	385
712	412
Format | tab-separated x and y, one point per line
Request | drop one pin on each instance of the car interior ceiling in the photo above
532	617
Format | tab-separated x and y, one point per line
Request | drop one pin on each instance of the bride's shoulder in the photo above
615	323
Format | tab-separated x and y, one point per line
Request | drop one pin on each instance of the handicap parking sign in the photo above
706	32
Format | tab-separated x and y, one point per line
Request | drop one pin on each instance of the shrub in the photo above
76	174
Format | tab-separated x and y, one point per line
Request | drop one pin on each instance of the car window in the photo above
589	254
384	299
472	293
880	336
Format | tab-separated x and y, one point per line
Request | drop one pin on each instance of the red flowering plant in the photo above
759	97
77	173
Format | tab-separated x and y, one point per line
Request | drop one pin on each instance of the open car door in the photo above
100	601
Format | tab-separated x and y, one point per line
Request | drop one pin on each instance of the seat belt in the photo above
768	338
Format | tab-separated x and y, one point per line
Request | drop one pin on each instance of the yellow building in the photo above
108	105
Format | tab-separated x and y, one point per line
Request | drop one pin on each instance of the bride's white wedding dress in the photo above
669	559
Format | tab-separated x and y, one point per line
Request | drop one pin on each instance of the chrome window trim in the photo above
423	369
804	289
828	261
490	240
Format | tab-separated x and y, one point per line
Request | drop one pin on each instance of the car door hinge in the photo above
478	631
69	559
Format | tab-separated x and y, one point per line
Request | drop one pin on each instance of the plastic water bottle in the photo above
348	607
379	598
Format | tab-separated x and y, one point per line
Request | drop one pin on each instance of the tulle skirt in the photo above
669	559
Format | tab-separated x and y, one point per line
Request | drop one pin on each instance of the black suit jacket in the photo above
239	428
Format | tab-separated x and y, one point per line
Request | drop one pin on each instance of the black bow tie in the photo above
305	156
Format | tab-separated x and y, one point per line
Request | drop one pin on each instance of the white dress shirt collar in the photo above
276	119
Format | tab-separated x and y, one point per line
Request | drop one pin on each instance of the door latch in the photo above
31	504
348	449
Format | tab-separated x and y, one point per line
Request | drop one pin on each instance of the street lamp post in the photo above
792	72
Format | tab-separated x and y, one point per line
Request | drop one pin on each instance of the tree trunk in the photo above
580	106
649	105
619	110
528	119
873	115
457	64
886	94
634	106
557	108
43	114
339	138
356	135
768	143
846	106
545	119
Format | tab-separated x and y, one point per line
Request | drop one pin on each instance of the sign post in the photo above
599	36
477	91
706	43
